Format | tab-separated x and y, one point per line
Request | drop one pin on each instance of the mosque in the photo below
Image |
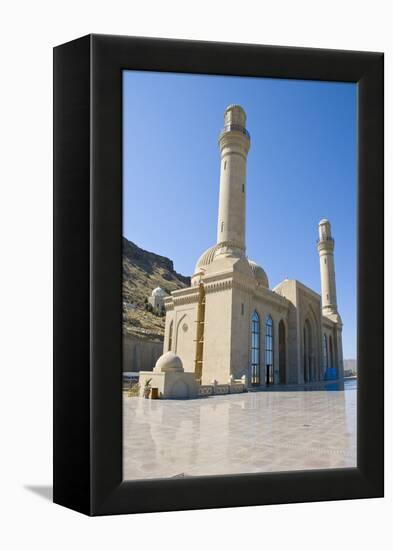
156	300
229	325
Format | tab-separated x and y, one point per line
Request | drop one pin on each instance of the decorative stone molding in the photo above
168	302
235	138
326	245
247	285
219	286
234	386
221	389
243	155
190	299
229	244
205	390
221	276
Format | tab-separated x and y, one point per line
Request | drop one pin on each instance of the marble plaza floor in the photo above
242	433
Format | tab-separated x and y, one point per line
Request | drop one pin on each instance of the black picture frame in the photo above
88	274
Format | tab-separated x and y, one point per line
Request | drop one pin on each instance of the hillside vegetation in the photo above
143	271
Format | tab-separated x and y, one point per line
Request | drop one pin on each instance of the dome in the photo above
323	222
206	258
259	274
158	292
169	362
235	106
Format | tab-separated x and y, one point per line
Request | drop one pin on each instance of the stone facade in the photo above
229	323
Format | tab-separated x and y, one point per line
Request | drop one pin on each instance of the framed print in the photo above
218	268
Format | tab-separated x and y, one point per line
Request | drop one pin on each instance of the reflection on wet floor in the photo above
242	433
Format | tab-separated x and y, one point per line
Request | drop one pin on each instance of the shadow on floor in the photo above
44	491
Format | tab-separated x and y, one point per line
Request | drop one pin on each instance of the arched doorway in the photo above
325	354
333	362
331	358
269	362
282	351
307	352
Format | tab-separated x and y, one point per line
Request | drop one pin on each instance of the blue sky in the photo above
301	168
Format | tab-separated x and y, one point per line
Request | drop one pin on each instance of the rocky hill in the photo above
143	271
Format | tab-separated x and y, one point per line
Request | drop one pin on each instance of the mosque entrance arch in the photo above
331	362
282	351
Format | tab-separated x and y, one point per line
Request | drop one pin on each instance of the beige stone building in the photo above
229	325
156	299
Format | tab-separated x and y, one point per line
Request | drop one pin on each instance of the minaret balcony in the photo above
236	128
327	244
321	240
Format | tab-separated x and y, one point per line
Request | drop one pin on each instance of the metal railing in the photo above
236	127
325	239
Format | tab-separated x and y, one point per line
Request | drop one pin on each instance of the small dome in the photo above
169	362
259	274
158	292
235	106
206	258
324	221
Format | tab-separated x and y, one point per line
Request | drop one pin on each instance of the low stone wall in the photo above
237	388
221	389
140	354
205	391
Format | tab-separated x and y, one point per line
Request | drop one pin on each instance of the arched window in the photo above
255	349
282	351
325	352
307	351
170	336
269	350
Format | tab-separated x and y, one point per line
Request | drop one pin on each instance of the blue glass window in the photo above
255	349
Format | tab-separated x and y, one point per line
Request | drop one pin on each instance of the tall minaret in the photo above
328	278
234	144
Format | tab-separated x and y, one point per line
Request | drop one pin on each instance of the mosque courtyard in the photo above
267	431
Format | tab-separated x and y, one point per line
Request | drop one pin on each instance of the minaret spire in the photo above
234	144
325	247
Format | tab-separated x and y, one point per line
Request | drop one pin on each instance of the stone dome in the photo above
206	258
234	107
158	292
259	274
169	362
